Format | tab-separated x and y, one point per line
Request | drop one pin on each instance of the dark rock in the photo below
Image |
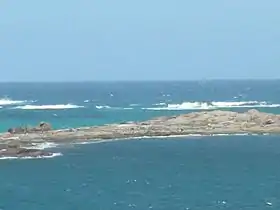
17	130
43	126
71	130
16	151
31	152
11	130
144	123
268	122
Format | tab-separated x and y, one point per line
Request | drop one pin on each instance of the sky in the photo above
90	40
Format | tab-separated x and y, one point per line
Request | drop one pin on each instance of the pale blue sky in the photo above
71	40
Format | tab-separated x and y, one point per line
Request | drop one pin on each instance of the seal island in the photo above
16	141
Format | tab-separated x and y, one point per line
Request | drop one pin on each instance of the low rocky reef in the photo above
16	151
203	123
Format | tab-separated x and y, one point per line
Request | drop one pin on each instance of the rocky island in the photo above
15	141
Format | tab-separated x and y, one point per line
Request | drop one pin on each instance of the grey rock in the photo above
204	123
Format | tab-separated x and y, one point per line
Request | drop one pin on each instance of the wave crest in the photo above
48	107
214	105
7	101
115	108
42	146
30	157
103	107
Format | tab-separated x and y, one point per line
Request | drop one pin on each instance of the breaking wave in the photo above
7	101
30	157
160	104
48	107
109	107
214	105
42	146
103	107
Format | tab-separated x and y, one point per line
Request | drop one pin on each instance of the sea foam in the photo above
214	105
42	146
103	107
48	107
115	108
7	101
30	157
160	104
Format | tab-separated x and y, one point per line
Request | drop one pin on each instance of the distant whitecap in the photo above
213	105
102	107
269	203
115	108
30	157
48	107
7	101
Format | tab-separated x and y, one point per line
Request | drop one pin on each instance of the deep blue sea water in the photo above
220	172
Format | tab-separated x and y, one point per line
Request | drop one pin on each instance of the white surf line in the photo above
95	141
57	154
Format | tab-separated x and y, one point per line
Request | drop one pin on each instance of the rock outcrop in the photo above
42	127
210	122
203	123
16	151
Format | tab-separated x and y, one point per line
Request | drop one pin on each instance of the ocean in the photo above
217	172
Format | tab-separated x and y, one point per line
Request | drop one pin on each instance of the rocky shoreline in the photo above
16	140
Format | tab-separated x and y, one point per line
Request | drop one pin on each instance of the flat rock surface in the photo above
204	123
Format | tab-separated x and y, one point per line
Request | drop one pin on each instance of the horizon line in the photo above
187	80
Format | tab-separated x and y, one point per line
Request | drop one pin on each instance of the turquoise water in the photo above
220	172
